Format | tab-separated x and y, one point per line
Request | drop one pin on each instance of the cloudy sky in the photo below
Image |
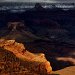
51	1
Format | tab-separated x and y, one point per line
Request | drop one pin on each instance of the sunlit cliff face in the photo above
35	60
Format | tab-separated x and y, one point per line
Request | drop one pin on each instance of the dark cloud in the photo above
53	1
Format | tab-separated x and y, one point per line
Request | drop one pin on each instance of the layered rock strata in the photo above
35	62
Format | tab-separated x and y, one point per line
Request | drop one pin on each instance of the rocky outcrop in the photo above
19	32
67	59
35	62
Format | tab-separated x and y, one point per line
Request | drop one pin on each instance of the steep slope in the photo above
18	32
11	65
34	62
23	36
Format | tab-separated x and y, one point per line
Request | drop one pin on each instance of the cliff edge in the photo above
35	63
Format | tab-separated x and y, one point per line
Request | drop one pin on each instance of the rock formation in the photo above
35	62
19	32
67	59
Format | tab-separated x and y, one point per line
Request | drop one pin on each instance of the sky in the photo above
51	1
